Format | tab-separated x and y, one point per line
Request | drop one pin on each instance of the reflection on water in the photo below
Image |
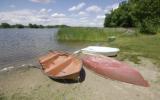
24	46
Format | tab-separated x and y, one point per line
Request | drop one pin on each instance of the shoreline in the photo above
29	83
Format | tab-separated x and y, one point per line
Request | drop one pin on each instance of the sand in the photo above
29	83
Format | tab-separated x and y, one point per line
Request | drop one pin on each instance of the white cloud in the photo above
19	16
94	8
41	1
82	13
58	15
78	7
99	20
101	17
43	10
26	16
111	7
83	18
49	10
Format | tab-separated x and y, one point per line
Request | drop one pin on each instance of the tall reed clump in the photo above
87	34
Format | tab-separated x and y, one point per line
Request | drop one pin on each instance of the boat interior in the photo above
60	64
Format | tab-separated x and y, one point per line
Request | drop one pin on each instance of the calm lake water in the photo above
24	46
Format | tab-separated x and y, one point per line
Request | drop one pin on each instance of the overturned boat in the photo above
107	51
114	69
61	65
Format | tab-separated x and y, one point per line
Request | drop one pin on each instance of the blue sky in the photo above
56	12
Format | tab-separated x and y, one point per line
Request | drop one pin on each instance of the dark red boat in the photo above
114	69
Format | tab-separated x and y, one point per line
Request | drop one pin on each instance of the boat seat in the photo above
55	68
46	60
71	68
46	57
49	56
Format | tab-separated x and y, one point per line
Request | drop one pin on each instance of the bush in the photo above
147	27
5	25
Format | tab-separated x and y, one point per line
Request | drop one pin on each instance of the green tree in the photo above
18	26
30	25
5	25
120	17
147	14
33	25
144	14
107	20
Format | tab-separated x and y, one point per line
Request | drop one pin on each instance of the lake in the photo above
23	46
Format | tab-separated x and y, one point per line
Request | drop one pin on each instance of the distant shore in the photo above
30	25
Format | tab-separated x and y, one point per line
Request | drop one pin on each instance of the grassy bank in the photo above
131	43
141	45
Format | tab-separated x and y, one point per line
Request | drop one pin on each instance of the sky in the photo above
88	13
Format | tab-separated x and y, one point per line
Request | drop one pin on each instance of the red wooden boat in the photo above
113	69
61	65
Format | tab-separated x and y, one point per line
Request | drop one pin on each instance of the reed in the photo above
88	34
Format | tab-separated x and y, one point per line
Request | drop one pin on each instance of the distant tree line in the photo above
7	25
144	14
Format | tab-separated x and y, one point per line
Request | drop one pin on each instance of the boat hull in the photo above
113	69
106	51
74	76
109	54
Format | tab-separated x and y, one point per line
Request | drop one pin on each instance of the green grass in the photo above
88	34
2	96
141	45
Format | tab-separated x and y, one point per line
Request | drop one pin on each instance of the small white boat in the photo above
107	51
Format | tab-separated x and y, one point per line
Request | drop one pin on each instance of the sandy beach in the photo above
30	83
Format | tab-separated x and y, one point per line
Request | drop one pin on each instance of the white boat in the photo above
107	51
